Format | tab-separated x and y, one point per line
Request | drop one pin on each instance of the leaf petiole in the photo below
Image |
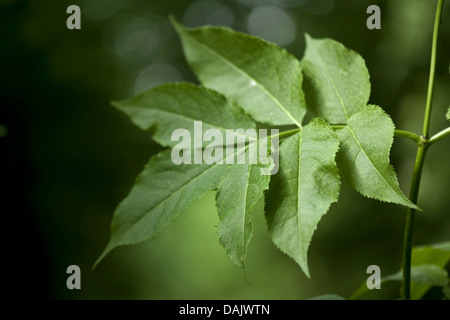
285	133
398	133
410	135
440	135
338	126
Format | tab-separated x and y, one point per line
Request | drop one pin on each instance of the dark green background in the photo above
69	157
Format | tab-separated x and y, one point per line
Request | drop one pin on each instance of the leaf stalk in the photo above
440	135
410	135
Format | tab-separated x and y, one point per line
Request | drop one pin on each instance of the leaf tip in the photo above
408	203
105	252
117	104
308	38
176	25
172	19
306	272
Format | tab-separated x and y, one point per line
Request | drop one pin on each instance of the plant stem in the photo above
437	22
410	215
407	134
438	136
405	292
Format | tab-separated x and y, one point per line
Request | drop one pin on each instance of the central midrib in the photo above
370	160
298	177
336	90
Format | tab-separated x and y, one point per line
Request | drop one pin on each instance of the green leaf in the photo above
422	278
428	274
336	80
448	114
161	192
238	192
177	105
303	189
364	156
427	269
264	79
446	292
327	297
436	254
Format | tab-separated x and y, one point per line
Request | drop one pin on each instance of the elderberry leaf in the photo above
239	190
363	159
303	189
172	106
161	192
336	80
263	78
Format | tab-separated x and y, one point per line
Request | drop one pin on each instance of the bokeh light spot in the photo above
101	9
156	74
208	13
272	24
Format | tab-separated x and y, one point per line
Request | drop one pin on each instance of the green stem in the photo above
438	136
437	22
405	291
410	135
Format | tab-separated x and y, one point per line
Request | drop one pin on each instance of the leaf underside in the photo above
337	88
168	107
244	79
364	156
238	192
336	80
263	78
161	192
303	190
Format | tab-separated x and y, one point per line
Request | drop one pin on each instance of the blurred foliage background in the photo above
70	158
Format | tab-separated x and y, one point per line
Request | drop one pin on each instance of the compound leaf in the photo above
363	160
336	81
264	79
303	190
